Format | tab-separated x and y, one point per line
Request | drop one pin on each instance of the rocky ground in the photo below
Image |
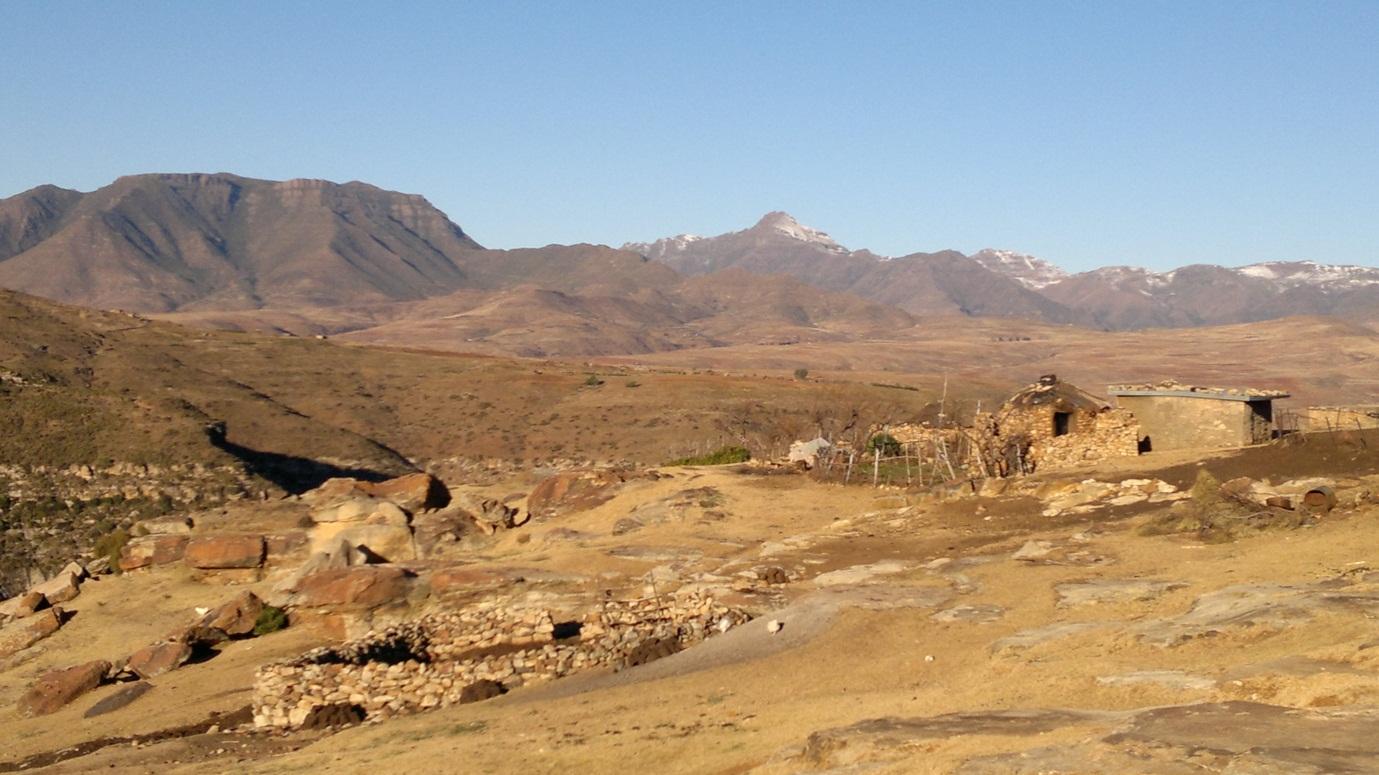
1123	619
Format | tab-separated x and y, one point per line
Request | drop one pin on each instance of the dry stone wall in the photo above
452	657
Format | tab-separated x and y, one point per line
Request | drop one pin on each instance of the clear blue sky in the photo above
1152	133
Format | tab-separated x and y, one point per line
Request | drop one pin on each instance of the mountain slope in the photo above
164	242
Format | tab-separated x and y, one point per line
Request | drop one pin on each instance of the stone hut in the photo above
1176	416
1053	424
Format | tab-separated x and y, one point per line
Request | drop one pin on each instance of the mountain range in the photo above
1013	284
316	257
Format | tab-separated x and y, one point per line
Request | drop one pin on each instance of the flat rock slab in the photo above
1037	636
1171	679
1236	737
970	613
1268	606
860	574
1076	593
1059	553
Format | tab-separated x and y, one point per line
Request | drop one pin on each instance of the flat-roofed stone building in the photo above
1176	416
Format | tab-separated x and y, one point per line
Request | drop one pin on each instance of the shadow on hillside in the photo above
293	474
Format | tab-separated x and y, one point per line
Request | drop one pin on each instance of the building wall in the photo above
1175	422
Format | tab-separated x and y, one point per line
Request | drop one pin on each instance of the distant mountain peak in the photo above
1030	271
784	223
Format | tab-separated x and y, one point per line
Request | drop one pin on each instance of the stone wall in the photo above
1023	439
1181	422
452	657
1107	434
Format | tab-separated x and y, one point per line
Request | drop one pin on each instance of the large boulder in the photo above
571	491
375	543
216	552
23	633
364	586
152	550
21	606
56	688
158	658
488	514
60	588
362	509
235	617
413	492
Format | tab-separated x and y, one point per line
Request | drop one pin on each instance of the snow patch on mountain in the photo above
1029	271
1292	274
784	223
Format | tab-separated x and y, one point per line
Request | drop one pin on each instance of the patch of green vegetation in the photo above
469	727
592	381
801	374
1214	516
719	457
885	444
271	619
109	546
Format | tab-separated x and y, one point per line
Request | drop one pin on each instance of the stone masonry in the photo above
442	658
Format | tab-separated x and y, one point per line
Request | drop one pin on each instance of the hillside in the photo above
161	242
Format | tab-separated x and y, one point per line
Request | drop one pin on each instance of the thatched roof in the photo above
1056	395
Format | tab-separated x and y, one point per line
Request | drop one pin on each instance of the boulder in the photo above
23	633
807	453
490	514
235	617
60	588
362	586
56	688
165	526
375	543
571	491
362	509
159	658
214	552
76	569
152	550
23	605
413	492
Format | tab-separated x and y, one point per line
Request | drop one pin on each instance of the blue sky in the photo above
1153	133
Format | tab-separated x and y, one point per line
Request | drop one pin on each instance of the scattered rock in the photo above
23	633
626	525
156	659
774	626
22	605
165	526
1171	679
978	613
56	688
773	575
235	617
60	588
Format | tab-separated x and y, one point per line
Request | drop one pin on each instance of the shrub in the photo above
632	383
271	619
801	373
718	457
884	444
593	380
109	546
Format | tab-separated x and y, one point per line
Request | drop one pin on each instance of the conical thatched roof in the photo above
1059	396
